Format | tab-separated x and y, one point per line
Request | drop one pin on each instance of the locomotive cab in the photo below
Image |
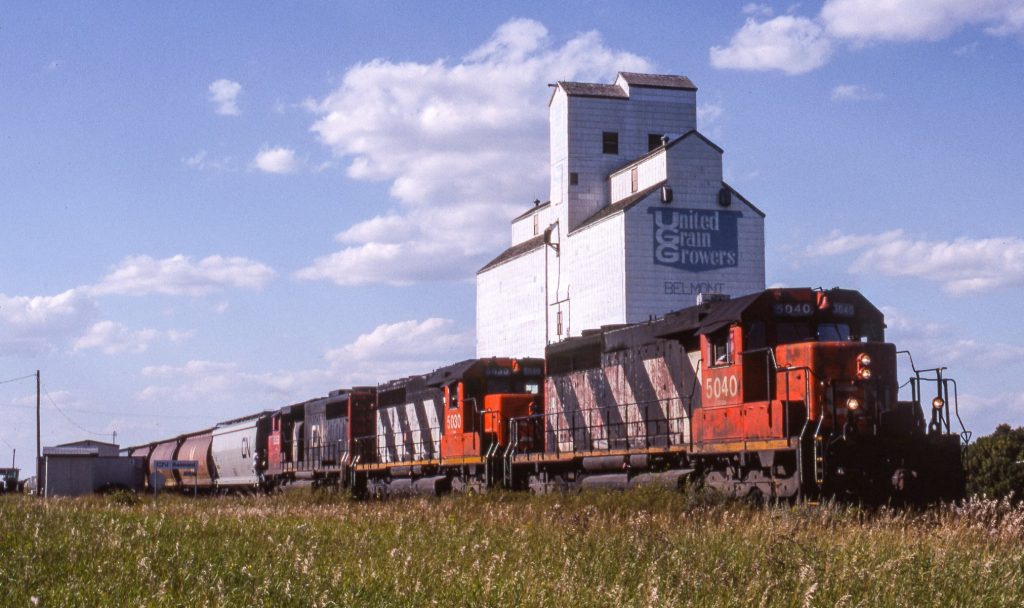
812	367
479	406
780	393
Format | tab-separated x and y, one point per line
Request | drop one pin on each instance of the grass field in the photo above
641	548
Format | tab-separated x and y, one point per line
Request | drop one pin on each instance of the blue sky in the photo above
211	210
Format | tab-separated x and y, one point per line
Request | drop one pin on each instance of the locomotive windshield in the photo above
788	332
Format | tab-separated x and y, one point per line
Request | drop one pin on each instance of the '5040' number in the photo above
721	386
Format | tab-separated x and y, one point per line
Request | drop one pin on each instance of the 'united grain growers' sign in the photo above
695	239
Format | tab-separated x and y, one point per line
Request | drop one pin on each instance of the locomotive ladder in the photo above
509	455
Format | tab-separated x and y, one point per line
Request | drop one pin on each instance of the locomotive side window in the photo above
720	345
755	336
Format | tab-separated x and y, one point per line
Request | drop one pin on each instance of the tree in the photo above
995	464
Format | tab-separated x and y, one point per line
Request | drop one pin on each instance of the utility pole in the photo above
38	442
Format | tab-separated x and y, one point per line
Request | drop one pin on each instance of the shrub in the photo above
995	464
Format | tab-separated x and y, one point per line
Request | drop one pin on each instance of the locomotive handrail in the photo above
964	433
404	451
942	383
634	429
689	398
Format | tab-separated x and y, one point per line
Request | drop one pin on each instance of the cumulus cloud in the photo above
962	266
276	160
708	114
936	344
35	324
854	92
433	338
757	9
181	275
982	413
459	142
796	45
224	94
908	20
388	351
202	161
112	338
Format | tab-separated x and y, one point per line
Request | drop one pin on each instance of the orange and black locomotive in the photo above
782	393
785	393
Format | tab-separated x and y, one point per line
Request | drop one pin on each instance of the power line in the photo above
68	418
18	378
114	413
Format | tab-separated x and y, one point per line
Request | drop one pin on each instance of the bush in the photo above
124	498
995	464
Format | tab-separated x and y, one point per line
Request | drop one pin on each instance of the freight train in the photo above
781	394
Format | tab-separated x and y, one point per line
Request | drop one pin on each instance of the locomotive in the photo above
781	394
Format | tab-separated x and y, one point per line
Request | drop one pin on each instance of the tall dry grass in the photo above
641	548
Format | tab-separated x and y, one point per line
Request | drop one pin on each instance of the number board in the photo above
793	309
842	309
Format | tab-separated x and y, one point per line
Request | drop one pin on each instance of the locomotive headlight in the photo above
938	403
864	359
864	373
853	403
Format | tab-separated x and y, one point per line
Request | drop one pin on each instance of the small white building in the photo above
84	467
639	221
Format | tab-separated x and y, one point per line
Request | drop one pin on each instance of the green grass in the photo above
641	548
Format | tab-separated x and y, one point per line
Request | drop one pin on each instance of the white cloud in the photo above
389	351
459	143
966	49
180	275
196	161
708	114
276	160
908	20
762	10
390	263
201	161
113	338
934	344
982	413
794	45
224	93
36	324
962	266
433	338
854	92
